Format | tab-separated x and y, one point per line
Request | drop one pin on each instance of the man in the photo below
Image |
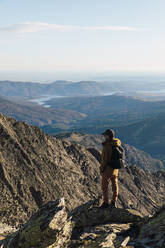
107	172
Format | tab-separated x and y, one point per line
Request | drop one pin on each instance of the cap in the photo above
109	132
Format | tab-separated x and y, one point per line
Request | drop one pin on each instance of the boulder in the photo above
48	227
152	233
89	215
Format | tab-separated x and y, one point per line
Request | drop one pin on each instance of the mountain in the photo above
148	135
62	88
77	88
134	156
21	89
146	89
38	115
103	112
92	105
36	168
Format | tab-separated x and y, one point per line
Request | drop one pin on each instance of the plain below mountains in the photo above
36	168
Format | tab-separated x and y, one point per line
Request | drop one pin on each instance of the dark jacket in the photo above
107	152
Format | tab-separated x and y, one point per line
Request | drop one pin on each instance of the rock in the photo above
89	215
125	242
95	227
152	233
48	227
54	227
88	226
6	230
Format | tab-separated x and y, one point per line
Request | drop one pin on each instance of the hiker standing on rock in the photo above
112	160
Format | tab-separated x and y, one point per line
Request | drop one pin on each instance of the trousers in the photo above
110	174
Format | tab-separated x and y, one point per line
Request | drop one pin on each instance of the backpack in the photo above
118	157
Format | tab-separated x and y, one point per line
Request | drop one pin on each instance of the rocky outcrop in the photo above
36	168
131	232
49	227
89	214
95	227
152	233
88	226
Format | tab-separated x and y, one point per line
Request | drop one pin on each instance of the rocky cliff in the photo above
36	168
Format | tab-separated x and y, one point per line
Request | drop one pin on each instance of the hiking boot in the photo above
104	205
113	205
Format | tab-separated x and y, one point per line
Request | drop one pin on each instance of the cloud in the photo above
33	27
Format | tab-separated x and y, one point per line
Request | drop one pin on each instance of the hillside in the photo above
148	135
69	88
38	115
36	168
103	112
134	156
108	104
20	89
62	88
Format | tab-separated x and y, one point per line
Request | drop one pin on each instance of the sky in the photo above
82	35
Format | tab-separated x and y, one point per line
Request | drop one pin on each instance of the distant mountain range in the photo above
61	88
69	88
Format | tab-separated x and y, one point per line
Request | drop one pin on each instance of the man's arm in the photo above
106	157
103	160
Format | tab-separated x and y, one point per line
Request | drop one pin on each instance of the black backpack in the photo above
118	157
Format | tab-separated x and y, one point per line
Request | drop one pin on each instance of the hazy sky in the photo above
82	35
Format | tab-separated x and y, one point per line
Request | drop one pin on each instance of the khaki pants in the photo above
110	174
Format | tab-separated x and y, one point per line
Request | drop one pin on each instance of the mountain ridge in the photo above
134	156
36	168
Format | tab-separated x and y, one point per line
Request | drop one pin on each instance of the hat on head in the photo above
109	132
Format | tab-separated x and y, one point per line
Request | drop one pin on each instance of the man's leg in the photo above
105	183
115	188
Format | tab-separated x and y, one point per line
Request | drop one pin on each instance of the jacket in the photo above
107	152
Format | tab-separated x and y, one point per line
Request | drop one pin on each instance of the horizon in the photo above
73	36
51	76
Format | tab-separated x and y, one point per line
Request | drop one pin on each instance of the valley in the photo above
65	106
